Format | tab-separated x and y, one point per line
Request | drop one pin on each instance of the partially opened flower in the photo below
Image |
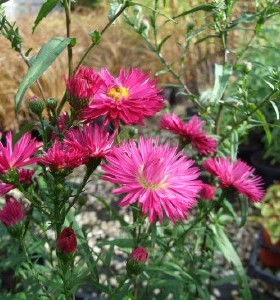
82	87
19	155
207	192
156	176
60	156
130	98
136	261
93	141
67	241
12	213
237	175
190	132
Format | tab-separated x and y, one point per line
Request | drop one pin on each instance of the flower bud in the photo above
36	105
51	103
136	261
67	242
207	192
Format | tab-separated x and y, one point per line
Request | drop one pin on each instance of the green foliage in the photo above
48	53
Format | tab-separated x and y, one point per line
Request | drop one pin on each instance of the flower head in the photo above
129	98
136	261
92	140
60	156
190	132
67	241
82	87
139	254
19	155
207	192
156	176
12	212
237	175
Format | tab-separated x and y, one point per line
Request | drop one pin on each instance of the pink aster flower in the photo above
190	132
19	155
60	156
82	87
156	176
12	212
139	254
129	98
207	192
237	175
92	140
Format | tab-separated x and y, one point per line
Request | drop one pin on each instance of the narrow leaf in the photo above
205	7
222	74
231	255
163	41
46	8
244	210
47	54
275	109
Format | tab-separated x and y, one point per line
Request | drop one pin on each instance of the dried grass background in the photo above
120	47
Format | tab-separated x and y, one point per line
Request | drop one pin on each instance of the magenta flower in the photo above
67	241
156	176
82	87
19	155
237	175
129	98
139	254
12	212
207	192
92	140
190	132
60	156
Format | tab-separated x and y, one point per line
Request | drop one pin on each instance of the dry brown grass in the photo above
120	47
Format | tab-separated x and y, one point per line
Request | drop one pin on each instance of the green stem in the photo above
32	269
67	8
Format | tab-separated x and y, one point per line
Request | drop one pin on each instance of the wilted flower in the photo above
190	132
237	175
92	140
136	260
156	176
130	98
67	241
60	156
12	212
207	192
19	155
82	87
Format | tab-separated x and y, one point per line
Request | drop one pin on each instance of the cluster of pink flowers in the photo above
190	132
79	145
129	98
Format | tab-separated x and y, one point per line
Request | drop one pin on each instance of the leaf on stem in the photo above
46	8
47	54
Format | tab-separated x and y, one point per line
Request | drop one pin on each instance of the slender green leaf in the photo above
275	109
232	257
163	41
47	54
122	243
204	7
222	74
46	8
233	145
244	210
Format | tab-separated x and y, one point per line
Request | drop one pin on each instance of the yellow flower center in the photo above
118	93
150	186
